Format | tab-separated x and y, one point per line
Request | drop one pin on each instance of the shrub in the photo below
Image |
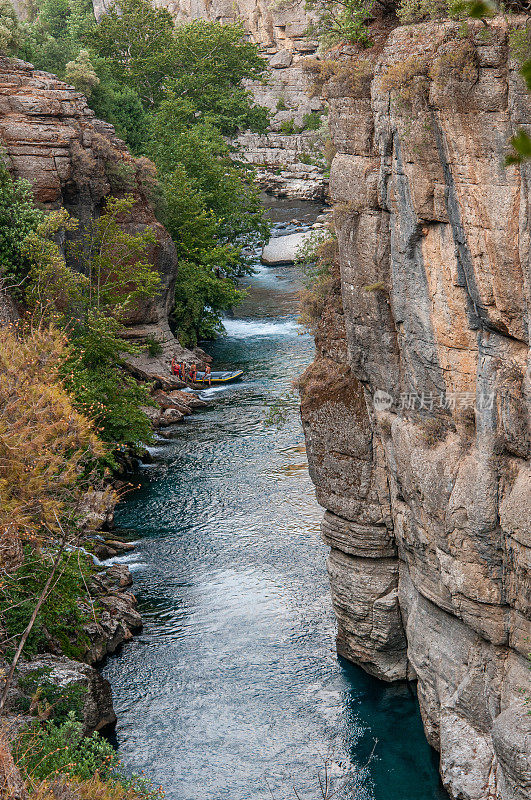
96	789
311	121
456	68
50	749
51	753
318	258
288	126
153	346
409	78
80	72
434	430
46	446
281	104
60	619
412	11
50	700
341	21
18	218
121	175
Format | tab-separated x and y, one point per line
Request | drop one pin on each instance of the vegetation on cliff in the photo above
50	454
174	95
89	302
66	405
338	21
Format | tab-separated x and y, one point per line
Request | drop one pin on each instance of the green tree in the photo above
80	72
54	34
224	185
137	43
18	218
93	375
208	266
211	62
9	28
112	275
341	21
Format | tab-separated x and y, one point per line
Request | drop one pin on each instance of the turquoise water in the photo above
233	689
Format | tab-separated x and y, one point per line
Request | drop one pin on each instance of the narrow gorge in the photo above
415	412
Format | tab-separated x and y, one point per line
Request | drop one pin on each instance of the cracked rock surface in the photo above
416	410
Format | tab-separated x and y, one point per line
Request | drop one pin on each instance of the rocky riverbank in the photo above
72	160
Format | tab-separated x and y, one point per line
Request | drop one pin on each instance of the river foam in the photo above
248	328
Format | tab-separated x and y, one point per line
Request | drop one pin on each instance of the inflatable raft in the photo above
218	377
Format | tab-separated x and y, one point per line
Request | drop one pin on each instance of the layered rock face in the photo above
52	138
417	409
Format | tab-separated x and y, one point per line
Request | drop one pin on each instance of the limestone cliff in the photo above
417	409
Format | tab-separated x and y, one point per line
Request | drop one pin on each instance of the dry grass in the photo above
321	279
455	67
325	380
93	789
409	79
353	76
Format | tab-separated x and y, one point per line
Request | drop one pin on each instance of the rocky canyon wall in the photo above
417	409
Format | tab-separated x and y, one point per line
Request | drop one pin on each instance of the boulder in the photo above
62	672
281	59
117	618
96	509
284	249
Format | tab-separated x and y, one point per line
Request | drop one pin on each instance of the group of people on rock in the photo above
189	373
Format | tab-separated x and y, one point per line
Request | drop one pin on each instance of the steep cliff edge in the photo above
416	410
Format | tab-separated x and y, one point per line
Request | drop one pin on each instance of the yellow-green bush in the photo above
47	448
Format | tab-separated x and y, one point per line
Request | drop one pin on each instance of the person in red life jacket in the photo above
174	367
182	371
208	376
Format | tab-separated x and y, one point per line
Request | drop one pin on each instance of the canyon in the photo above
416	408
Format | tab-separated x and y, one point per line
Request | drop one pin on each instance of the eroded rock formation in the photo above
416	411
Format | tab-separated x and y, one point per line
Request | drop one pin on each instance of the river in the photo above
233	689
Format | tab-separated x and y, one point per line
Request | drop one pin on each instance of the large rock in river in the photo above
284	249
